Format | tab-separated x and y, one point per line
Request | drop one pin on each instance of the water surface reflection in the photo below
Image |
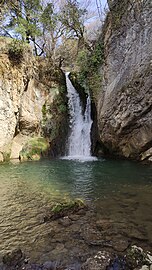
119	190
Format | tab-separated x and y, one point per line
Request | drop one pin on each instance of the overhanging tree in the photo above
73	17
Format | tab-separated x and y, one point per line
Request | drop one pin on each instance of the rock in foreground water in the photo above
134	258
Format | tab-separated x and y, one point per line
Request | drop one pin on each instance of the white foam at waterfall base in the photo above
79	142
80	158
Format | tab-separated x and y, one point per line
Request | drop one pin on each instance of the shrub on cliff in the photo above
89	63
34	149
16	51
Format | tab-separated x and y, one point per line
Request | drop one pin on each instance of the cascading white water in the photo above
79	142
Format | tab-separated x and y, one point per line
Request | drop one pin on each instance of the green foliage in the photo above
119	11
48	18
25	17
43	23
27	28
96	57
62	108
54	114
72	17
82	59
59	106
24	21
64	209
44	111
95	81
62	90
16	51
34	148
89	63
68	206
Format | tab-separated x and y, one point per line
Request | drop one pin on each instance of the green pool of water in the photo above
118	190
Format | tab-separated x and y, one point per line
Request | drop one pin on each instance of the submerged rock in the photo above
65	221
135	258
100	261
13	259
51	265
119	263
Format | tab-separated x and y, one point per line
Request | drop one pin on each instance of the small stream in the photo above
118	191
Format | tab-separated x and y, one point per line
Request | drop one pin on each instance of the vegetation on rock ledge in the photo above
34	149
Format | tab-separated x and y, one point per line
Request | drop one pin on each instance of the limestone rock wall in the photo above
125	101
22	96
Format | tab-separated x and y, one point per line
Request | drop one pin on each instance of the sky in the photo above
102	3
96	6
97	10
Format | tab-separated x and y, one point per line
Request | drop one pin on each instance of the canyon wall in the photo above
125	101
26	89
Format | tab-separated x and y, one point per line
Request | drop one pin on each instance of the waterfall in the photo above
79	141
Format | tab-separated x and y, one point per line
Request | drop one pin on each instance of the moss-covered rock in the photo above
64	209
34	149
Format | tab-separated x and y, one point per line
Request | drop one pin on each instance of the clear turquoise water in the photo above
119	190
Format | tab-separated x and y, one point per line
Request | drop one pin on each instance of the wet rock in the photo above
1	266
31	267
75	228
139	234
136	258
66	221
51	265
104	224
144	267
51	234
91	234
119	263
59	249
73	267
82	211
101	243
61	210
120	244
74	217
14	258
98	262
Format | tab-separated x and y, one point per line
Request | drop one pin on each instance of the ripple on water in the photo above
118	190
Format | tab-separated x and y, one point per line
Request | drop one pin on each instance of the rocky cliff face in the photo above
24	89
125	101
